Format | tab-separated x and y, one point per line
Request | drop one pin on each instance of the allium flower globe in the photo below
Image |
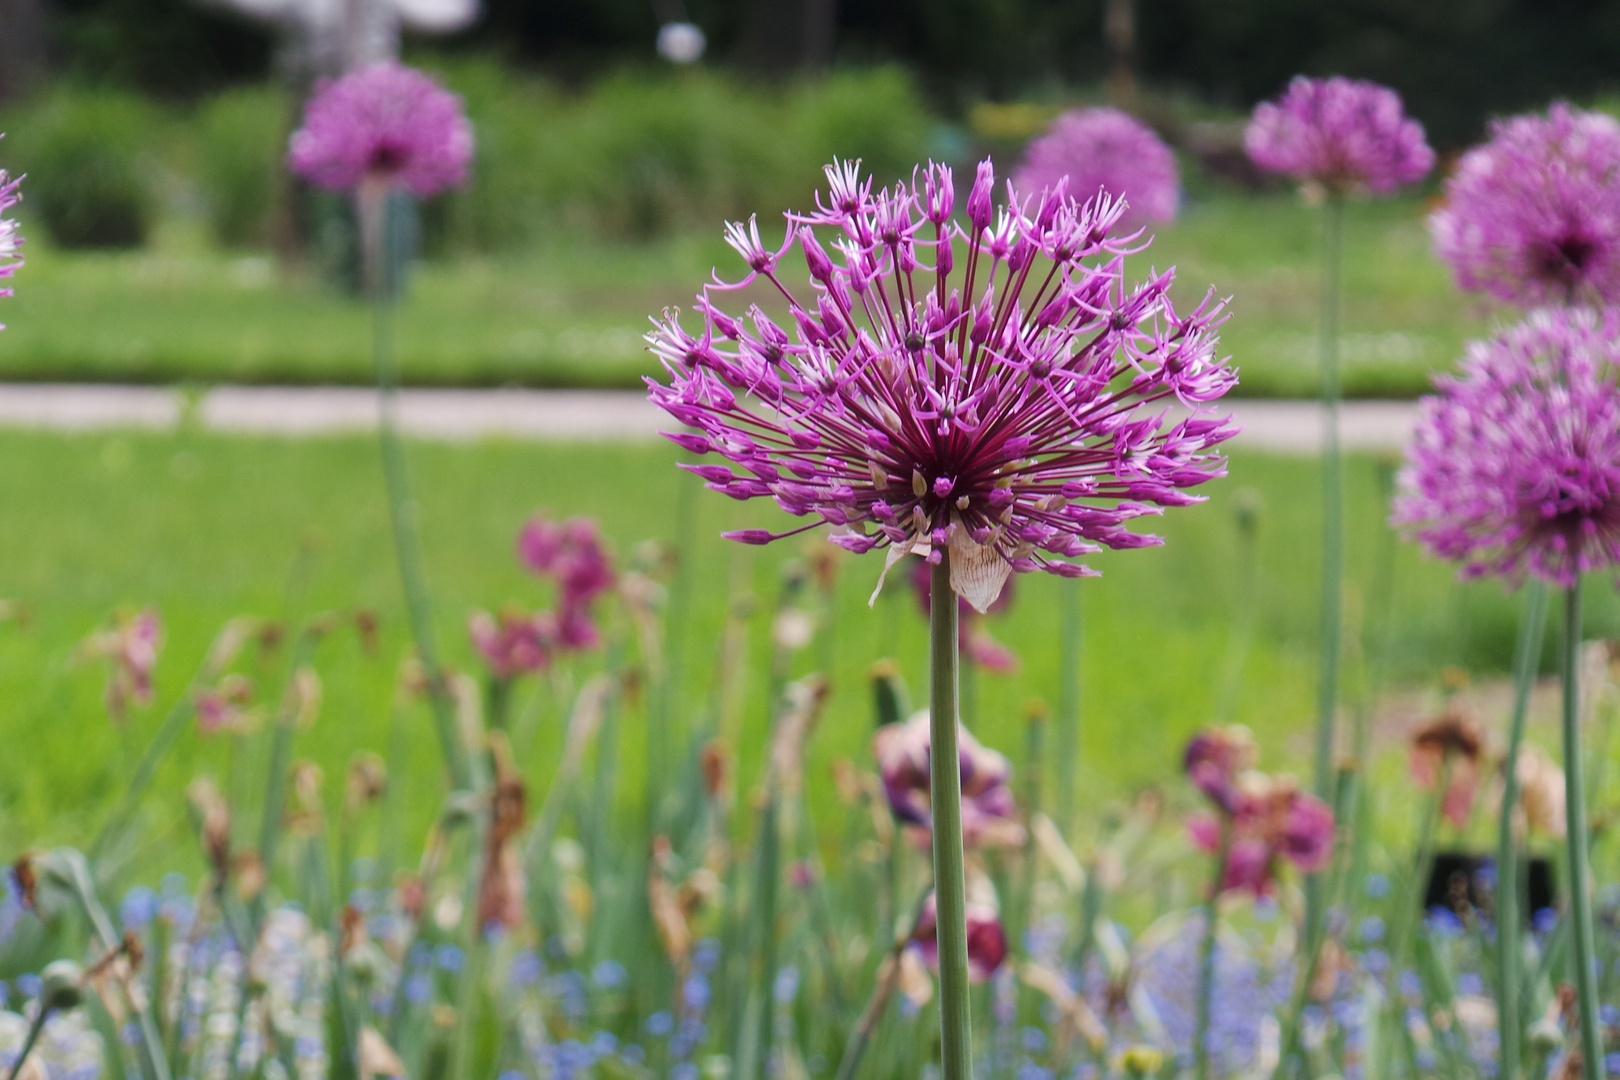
1515	465
986	938
1109	150
1533	216
992	388
989	812
1345	134
387	124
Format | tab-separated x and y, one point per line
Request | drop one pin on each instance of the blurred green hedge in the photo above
634	156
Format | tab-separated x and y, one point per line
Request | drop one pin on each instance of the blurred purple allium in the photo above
986	938
513	643
1214	760
386	123
1345	134
1106	149
1533	216
1013	416
989	813
571	553
10	238
1269	820
1515	465
131	648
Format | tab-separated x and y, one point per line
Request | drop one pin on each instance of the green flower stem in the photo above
1332	535
373	204
173	724
1509	941
1069	714
1580	896
1206	956
34	1031
955	1011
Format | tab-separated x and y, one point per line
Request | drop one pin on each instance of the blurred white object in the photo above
681	43
328	37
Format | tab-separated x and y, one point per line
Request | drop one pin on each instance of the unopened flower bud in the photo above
63	985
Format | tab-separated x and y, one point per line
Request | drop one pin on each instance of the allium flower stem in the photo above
1509	940
35	1029
1580	886
1206	955
955	1012
1069	715
1332	535
372	202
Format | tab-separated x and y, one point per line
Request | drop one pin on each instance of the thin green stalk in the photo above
1332	534
1069	709
1580	896
173	724
34	1031
1206	954
1509	941
373	202
945	776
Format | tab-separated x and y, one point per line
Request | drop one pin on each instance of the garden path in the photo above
565	415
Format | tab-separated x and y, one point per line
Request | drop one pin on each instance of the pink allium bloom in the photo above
386	123
1271	820
1214	760
131	647
10	238
571	553
1533	216
1013	414
1109	150
1515	465
513	643
1345	134
986	939
222	708
989	813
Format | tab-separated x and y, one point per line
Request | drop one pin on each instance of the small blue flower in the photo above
695	993
1375	886
685	1071
660	1024
138	908
1543	921
30	984
1372	929
526	969
706	956
610	975
130	1034
450	957
787	985
1470	983
1443	921
633	1054
419	989
1034	1039
604	1043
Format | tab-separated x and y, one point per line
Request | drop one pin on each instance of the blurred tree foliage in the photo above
1457	61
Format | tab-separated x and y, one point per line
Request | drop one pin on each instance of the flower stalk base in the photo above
955	1014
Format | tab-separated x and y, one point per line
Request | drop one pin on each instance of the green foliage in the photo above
642	154
88	156
241	137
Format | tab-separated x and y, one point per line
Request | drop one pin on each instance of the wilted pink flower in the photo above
1450	742
986	939
989	813
976	643
1345	134
388	124
1533	216
221	708
1214	760
571	553
1271	819
514	643
1515	464
1109	150
10	238
1013	415
131	646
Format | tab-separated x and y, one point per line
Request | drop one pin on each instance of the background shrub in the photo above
241	135
89	156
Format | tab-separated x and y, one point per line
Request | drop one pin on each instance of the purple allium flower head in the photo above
513	642
1106	149
1515	466
986	938
1000	411
1533	216
989	813
1340	133
10	238
387	123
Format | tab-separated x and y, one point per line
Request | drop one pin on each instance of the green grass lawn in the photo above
571	313
207	527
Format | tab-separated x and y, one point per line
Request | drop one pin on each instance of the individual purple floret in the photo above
1014	415
1109	150
386	123
1533	216
1515	465
10	238
1345	134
